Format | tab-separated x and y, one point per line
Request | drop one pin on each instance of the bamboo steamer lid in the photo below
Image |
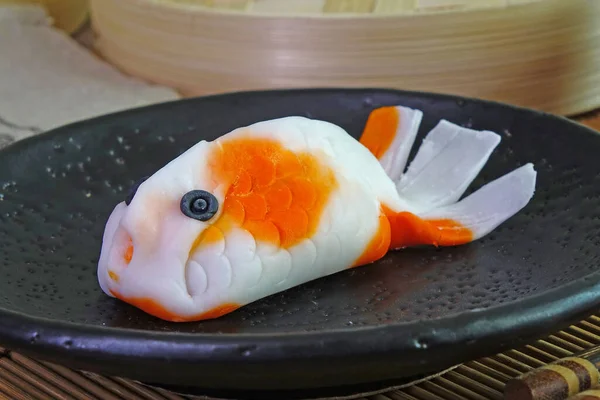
68	15
543	54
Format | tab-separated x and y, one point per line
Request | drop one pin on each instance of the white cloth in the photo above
47	79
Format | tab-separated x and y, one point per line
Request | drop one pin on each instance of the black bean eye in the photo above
199	204
133	190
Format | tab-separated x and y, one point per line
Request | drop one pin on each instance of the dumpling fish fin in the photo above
389	135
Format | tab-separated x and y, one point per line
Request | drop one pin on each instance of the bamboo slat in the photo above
385	7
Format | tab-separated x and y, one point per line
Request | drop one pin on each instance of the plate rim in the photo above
567	302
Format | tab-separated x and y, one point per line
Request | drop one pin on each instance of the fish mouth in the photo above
150	282
169	285
108	273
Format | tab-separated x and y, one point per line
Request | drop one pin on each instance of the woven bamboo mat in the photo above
22	378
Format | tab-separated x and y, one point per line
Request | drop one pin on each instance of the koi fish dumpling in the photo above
282	202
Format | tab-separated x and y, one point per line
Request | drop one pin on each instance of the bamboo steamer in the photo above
543	54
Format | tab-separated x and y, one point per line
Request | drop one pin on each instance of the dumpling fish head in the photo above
150	239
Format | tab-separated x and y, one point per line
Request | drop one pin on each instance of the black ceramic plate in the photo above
416	311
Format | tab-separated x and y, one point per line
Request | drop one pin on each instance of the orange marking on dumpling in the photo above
454	233
303	192
262	170
211	234
254	205
113	276
234	210
218	311
293	225
288	194
128	255
152	307
379	244
278	197
410	230
288	164
380	130
265	231
244	182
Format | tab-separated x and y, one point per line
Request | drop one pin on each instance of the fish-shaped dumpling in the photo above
278	203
